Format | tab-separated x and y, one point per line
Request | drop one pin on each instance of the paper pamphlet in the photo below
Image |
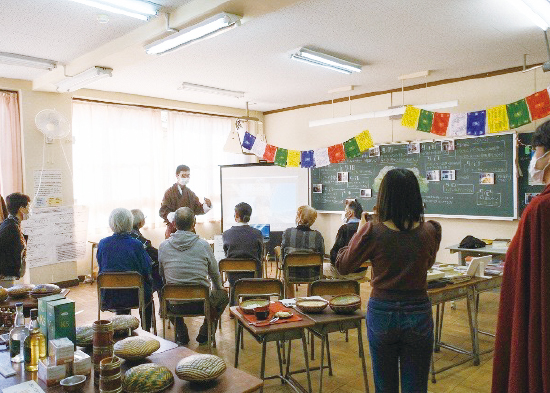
25	387
219	254
48	188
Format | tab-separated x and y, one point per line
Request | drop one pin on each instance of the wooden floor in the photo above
347	368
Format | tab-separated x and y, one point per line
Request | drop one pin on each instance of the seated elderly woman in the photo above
122	253
139	222
303	239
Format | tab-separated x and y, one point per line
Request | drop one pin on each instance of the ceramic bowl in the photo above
311	305
249	305
74	383
345	304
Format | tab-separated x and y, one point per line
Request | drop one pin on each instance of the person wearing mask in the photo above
179	195
402	247
350	219
302	239
13	244
522	346
243	241
187	259
138	223
123	253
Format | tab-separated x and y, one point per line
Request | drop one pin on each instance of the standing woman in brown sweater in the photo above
402	247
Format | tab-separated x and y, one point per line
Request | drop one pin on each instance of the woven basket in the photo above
147	378
311	306
122	324
249	305
135	348
85	336
42	290
345	304
200	368
20	291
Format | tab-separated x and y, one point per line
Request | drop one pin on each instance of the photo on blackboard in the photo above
529	196
374	151
342	177
486	178
317	188
413	148
447	175
366	193
432	176
448	145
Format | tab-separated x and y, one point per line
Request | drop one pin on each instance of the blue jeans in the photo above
400	339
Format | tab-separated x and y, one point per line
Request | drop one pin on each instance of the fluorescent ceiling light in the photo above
536	10
26	61
323	60
384	113
84	78
135	8
206	29
211	90
414	75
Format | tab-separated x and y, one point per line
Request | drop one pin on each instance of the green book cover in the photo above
43	312
61	319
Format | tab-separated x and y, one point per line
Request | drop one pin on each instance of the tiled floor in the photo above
346	365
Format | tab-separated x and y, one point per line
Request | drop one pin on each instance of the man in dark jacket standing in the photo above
13	244
179	195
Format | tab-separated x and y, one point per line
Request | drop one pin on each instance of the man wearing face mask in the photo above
522	346
13	244
179	195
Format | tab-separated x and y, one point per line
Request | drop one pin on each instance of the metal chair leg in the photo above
278	344
262	369
304	346
237	339
322	363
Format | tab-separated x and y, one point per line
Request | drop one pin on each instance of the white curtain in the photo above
126	156
11	167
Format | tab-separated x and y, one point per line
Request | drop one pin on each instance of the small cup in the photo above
261	312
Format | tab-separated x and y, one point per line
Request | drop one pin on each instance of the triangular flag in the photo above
321	158
259	148
518	113
364	141
293	158
281	156
497	119
457	124
539	104
233	143
475	124
410	117
440	123
425	121
307	159
351	148
336	153
269	154
248	140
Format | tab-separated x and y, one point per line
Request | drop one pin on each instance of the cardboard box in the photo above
51	374
82	364
61	351
61	319
43	312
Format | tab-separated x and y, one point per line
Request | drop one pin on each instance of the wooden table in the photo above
232	381
28	302
280	333
327	322
475	252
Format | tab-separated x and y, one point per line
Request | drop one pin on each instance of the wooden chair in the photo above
125	280
301	261
254	287
186	293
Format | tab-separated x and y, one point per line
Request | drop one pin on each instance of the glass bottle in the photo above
18	335
35	344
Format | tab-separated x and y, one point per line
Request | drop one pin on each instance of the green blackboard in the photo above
465	196
524	157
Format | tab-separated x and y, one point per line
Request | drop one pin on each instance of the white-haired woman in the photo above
139	222
122	253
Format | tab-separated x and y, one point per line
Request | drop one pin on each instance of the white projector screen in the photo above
273	192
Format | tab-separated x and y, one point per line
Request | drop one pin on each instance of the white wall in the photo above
289	129
33	102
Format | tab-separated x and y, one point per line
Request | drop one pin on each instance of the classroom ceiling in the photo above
452	38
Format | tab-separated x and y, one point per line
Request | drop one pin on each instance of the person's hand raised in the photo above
208	202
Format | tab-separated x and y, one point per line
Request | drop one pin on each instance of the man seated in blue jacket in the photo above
243	241
123	253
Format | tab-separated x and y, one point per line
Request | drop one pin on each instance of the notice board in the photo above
460	178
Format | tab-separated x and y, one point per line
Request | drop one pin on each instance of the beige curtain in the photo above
11	166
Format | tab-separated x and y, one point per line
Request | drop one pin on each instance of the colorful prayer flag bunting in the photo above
293	158
281	156
518	113
307	159
539	104
269	154
497	119
425	121
364	141
457	124
351	148
475	124
321	158
259	147
440	123
410	117
248	140
336	153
